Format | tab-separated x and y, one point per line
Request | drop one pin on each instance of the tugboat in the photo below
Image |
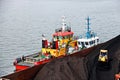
89	39
62	39
63	43
59	46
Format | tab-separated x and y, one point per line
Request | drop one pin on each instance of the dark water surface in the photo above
22	22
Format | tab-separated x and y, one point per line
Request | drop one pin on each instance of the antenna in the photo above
63	23
88	24
88	33
43	37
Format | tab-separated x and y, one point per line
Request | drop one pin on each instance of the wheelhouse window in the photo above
91	42
78	43
86	43
55	37
94	41
83	44
58	37
97	40
71	35
66	37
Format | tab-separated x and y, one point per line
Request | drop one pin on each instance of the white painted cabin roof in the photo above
87	40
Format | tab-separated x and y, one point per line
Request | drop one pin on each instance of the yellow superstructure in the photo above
61	41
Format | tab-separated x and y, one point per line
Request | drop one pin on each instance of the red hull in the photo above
22	67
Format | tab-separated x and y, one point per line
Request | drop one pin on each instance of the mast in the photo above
88	33
88	24
63	23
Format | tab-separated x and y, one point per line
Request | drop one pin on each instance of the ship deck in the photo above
26	64
30	59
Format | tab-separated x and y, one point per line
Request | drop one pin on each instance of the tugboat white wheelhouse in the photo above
90	39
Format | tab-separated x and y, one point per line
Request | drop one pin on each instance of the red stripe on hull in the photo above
20	67
42	62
